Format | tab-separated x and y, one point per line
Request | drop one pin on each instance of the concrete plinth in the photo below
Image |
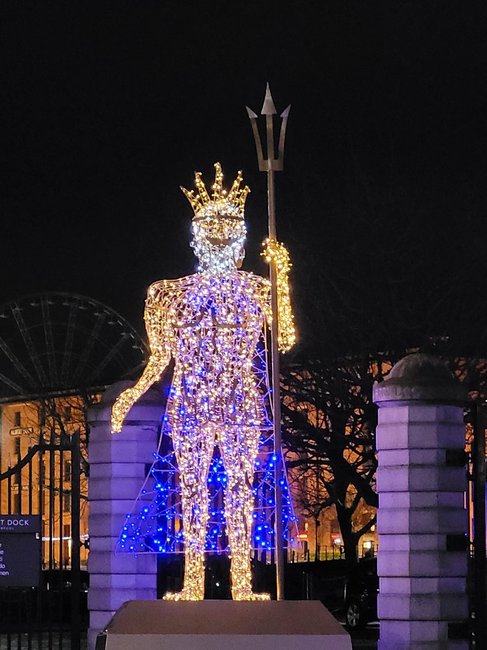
117	472
224	624
422	522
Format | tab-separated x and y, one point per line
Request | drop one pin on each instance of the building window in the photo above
17	419
67	413
67	471
66	502
17	446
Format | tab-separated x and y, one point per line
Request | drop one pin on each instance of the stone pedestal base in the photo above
223	624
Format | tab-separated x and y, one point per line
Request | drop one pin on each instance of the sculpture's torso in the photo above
214	325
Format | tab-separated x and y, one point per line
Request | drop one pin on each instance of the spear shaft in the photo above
276	398
270	165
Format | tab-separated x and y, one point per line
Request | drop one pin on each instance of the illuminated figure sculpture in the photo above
210	323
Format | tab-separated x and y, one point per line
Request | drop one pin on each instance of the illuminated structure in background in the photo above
212	324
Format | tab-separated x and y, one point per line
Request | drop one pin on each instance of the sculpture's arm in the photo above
154	318
276	253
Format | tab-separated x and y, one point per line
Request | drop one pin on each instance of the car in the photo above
360	594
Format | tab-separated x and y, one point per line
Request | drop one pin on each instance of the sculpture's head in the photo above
218	223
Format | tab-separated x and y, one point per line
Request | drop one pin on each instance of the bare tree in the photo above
329	437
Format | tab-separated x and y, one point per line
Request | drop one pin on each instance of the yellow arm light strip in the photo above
277	253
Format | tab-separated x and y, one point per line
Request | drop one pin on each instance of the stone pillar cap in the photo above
420	377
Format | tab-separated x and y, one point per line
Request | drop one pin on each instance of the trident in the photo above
270	164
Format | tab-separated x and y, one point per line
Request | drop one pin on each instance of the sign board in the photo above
20	550
21	431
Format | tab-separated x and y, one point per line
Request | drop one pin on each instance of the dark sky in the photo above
107	107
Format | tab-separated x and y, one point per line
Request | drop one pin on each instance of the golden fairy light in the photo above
276	252
210	323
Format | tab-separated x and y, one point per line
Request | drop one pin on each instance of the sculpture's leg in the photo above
193	450
239	450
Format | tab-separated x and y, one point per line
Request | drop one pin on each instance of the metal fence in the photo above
49	614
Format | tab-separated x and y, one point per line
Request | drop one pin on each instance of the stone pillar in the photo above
118	466
422	521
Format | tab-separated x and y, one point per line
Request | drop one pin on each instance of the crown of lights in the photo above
221	203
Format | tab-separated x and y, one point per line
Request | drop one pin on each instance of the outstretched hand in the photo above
121	407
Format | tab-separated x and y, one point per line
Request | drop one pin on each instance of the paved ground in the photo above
366	639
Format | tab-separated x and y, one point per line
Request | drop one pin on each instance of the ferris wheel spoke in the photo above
68	345
10	383
104	363
51	357
19	319
16	362
89	345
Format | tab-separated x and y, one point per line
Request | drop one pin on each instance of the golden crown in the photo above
221	202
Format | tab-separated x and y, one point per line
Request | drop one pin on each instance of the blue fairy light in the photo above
156	526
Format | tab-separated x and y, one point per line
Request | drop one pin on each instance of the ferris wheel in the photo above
53	342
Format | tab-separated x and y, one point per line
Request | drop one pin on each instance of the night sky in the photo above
108	107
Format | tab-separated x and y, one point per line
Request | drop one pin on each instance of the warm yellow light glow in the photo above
230	203
275	252
211	323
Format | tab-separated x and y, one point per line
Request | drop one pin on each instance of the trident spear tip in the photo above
251	114
285	112
268	107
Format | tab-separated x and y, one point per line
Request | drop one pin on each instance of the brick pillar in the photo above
422	522
117	472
